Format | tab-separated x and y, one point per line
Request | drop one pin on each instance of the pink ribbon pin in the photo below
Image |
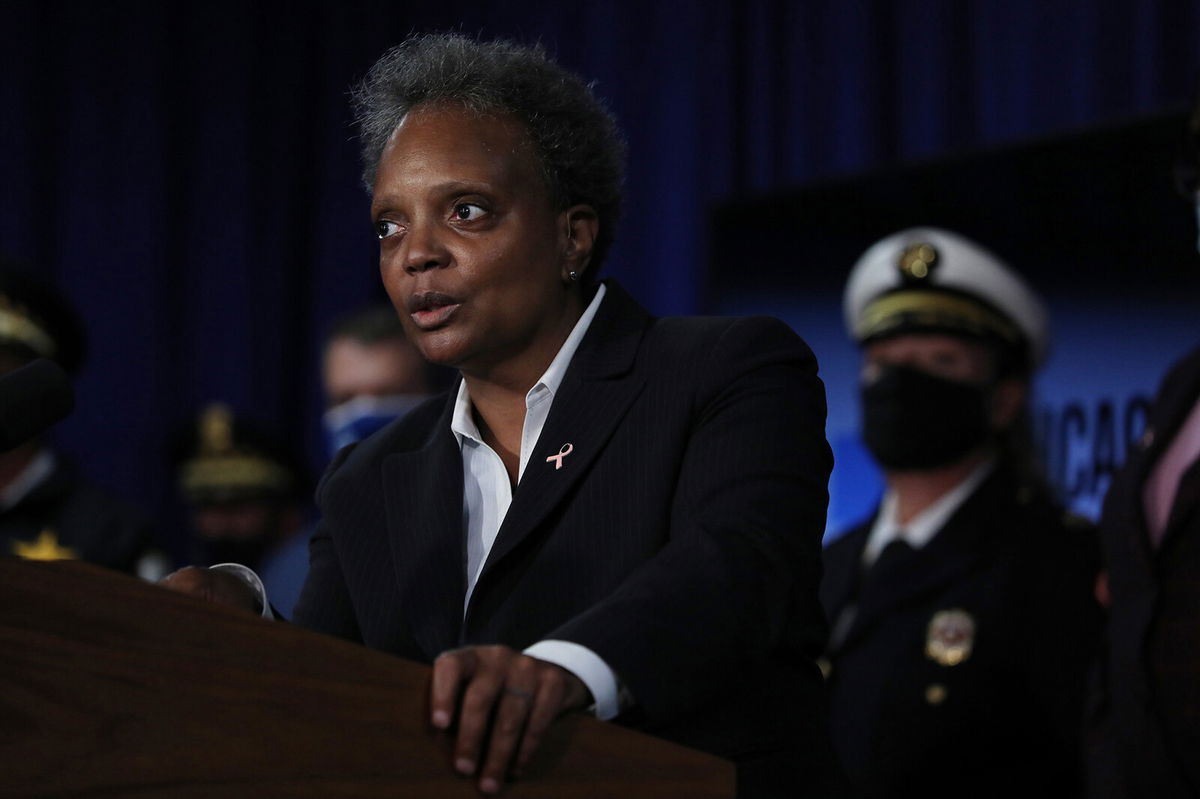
566	450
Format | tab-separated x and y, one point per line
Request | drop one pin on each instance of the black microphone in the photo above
31	399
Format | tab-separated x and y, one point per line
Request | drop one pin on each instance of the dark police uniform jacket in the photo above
680	540
67	513
1146	731
963	671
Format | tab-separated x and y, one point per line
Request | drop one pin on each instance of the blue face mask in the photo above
358	418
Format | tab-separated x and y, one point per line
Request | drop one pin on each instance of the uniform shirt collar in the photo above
925	525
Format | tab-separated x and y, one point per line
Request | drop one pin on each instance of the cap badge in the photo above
950	637
216	429
917	262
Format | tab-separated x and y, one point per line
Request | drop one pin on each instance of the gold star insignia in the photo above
45	547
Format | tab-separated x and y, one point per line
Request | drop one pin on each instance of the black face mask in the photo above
248	551
913	420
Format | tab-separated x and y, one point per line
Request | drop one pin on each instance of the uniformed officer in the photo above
246	494
48	510
372	374
962	614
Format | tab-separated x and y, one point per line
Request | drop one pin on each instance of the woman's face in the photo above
471	252
937	354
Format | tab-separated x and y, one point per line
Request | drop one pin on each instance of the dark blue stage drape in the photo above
187	170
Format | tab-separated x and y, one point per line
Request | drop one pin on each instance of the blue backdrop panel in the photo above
1091	220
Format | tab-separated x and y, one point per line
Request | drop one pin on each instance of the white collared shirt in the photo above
919	530
487	495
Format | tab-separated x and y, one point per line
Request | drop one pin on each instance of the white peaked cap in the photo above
929	278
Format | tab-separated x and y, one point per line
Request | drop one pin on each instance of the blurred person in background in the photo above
48	509
962	614
372	375
247	499
1144	734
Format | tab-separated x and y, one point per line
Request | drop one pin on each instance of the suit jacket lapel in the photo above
596	391
423	491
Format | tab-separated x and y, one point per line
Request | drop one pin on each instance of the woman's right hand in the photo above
213	585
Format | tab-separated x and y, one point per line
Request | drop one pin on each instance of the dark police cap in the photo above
36	320
223	459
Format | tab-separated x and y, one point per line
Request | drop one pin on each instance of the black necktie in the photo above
893	560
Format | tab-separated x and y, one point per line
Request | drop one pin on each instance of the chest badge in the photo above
950	637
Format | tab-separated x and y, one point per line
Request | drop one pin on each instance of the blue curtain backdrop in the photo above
187	171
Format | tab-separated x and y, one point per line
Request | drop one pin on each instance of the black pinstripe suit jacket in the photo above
680	540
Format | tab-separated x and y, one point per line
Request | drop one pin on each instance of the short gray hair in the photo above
579	147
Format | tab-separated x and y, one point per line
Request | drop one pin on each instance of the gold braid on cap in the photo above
221	470
18	327
916	308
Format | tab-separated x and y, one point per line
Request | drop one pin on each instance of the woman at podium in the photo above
607	510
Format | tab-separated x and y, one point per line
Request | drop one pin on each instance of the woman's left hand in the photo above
517	695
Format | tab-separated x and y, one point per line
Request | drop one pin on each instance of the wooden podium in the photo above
113	687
